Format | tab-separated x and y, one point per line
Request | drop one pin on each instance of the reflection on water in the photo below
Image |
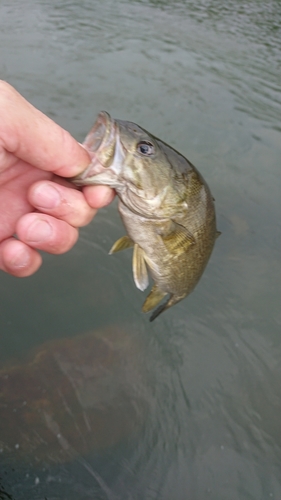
188	407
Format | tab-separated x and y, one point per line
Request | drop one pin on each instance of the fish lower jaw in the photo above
88	175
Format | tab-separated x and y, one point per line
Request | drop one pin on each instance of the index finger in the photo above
35	138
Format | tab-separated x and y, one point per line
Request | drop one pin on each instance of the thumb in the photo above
33	137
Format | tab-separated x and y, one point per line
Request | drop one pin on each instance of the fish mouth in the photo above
106	152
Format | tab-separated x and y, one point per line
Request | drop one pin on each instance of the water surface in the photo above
202	384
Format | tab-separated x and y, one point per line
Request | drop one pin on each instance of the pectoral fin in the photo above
139	268
153	299
121	244
179	239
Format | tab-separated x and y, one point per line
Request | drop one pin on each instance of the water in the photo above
187	407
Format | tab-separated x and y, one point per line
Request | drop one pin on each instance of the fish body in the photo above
165	205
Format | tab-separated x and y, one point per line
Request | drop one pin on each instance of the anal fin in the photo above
173	299
152	300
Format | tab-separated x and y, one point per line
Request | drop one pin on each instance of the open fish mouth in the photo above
101	146
102	133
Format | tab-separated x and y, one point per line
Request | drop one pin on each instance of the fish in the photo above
165	205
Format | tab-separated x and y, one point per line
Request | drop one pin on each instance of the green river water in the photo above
187	407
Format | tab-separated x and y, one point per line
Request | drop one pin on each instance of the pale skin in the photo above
38	210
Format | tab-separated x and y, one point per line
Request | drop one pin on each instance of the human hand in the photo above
41	209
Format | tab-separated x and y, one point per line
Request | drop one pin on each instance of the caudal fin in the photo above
169	303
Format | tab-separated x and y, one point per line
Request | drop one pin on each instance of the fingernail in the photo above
20	259
46	196
39	231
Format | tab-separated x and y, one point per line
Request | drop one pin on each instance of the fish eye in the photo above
145	148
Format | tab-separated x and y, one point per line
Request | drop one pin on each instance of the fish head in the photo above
147	174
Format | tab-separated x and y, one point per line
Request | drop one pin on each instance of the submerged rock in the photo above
72	396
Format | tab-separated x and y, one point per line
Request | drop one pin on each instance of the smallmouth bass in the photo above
165	205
